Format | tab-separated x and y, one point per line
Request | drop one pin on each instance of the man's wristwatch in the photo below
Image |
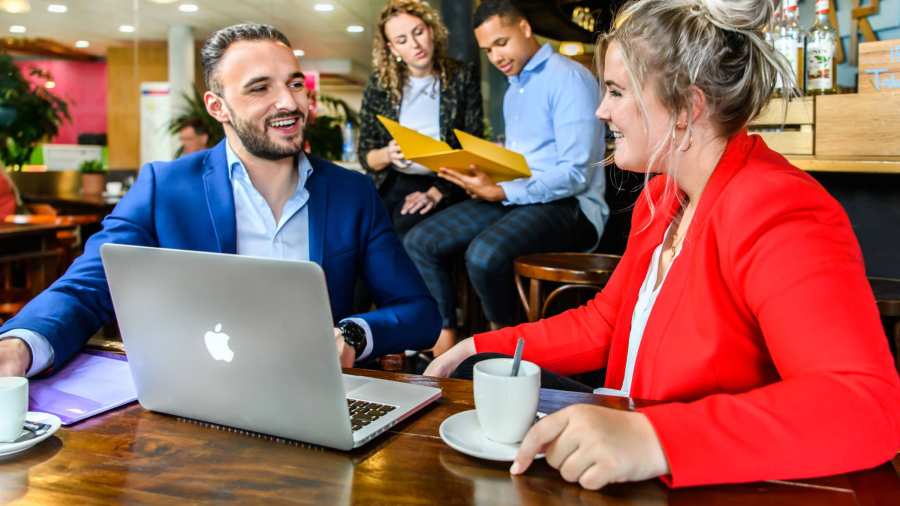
354	335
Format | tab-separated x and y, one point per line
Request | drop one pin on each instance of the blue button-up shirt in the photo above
257	235
549	113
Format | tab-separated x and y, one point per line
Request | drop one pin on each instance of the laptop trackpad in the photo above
353	382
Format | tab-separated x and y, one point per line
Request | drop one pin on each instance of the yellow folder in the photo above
496	161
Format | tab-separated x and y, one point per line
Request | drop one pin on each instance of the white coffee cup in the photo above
13	407
114	187
506	405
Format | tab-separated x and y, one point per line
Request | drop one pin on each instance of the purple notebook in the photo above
93	383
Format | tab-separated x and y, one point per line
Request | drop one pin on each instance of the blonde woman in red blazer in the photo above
763	341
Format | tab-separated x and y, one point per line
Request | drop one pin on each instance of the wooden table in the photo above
37	247
138	457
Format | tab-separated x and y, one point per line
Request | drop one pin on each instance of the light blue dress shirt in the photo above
257	235
549	113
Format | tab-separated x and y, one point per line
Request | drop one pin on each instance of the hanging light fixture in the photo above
15	6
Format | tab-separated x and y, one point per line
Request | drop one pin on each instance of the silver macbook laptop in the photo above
248	343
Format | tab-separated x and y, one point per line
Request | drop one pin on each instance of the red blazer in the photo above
765	340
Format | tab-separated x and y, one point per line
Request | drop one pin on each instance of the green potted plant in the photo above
93	177
193	111
323	133
29	113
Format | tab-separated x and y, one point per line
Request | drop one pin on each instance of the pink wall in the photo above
83	86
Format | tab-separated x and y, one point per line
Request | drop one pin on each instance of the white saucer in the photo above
462	432
7	449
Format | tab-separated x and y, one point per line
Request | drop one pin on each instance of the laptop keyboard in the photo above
363	413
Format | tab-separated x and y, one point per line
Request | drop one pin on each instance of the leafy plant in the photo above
194	111
91	167
28	112
324	133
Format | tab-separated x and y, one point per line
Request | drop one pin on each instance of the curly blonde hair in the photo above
393	75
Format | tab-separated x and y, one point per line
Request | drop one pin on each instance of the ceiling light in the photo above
50	85
188	8
57	8
299	53
126	29
82	44
355	29
323	7
16	29
15	6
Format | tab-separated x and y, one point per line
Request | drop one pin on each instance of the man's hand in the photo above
15	357
477	184
422	202
595	446
346	353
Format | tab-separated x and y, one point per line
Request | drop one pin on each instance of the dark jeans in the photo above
492	236
393	192
548	379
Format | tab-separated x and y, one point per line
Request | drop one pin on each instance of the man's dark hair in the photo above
506	9
217	43
199	127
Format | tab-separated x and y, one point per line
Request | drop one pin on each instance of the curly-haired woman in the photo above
415	83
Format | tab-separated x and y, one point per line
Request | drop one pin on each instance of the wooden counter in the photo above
855	165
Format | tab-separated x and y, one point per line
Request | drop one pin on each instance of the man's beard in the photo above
258	144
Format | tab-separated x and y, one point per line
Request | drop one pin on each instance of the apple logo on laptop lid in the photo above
217	344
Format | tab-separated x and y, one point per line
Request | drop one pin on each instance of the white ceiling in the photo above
320	34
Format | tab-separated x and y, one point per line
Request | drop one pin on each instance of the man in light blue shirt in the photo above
255	193
549	114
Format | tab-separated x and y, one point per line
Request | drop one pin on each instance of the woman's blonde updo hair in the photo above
717	46
392	75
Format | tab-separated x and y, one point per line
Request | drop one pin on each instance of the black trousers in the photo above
394	190
548	379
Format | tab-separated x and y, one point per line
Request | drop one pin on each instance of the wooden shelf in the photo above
857	165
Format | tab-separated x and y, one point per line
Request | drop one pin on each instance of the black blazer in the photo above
460	107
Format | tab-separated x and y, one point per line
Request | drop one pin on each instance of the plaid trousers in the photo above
492	236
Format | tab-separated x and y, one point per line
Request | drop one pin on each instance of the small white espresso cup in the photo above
506	405
13	407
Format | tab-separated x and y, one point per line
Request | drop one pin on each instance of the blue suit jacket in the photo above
188	204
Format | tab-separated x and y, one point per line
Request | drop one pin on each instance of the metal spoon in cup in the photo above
517	357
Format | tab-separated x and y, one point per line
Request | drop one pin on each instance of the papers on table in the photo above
498	162
92	383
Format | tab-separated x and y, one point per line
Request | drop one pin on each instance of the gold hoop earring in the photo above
689	144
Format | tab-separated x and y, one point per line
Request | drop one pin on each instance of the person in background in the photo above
9	200
255	193
193	137
741	303
417	84
548	111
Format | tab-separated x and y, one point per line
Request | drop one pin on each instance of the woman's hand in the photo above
477	184
394	155
595	446
447	362
380	159
422	202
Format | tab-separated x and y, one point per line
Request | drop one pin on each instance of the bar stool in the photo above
887	296
576	271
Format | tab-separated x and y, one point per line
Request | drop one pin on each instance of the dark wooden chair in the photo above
887	296
574	271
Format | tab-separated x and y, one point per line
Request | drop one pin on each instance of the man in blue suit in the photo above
256	193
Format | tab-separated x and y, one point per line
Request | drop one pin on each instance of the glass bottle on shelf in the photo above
788	39
821	45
